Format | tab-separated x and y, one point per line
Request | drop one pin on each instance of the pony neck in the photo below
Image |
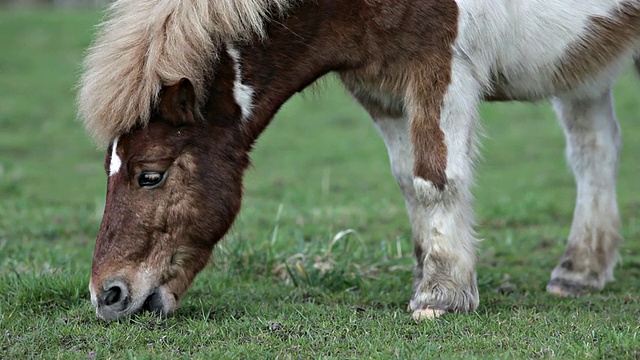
299	48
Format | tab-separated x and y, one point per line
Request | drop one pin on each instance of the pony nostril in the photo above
153	303
113	295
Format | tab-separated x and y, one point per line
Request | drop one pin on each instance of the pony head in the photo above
174	189
156	71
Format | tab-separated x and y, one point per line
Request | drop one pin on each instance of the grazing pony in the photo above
181	90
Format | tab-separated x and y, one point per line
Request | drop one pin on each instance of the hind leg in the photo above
593	147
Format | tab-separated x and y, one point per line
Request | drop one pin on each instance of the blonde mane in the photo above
145	44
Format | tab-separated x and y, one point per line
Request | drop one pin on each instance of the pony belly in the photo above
535	86
536	49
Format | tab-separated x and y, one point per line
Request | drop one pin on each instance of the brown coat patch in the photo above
412	74
608	39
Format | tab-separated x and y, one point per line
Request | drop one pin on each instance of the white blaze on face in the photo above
116	163
94	296
241	92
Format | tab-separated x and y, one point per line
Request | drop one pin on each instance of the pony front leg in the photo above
436	281
593	148
443	171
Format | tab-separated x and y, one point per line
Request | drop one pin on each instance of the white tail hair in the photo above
146	44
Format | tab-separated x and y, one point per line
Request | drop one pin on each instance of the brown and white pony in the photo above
181	90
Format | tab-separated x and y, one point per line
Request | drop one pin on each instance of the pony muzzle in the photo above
115	300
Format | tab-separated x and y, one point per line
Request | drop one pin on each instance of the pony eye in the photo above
150	179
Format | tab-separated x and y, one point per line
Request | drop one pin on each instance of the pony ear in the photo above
177	103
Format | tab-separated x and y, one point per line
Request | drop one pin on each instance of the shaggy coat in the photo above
182	89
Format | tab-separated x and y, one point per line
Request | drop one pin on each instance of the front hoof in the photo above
439	301
429	313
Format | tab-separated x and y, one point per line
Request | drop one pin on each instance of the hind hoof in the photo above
567	289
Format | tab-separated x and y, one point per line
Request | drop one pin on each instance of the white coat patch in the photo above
116	163
242	93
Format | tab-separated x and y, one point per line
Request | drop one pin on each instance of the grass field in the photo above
288	282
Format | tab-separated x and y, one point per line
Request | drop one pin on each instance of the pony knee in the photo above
428	191
432	193
401	171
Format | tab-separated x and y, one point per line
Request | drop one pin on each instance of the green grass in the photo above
279	286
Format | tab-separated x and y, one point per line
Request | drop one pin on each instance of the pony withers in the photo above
181	90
